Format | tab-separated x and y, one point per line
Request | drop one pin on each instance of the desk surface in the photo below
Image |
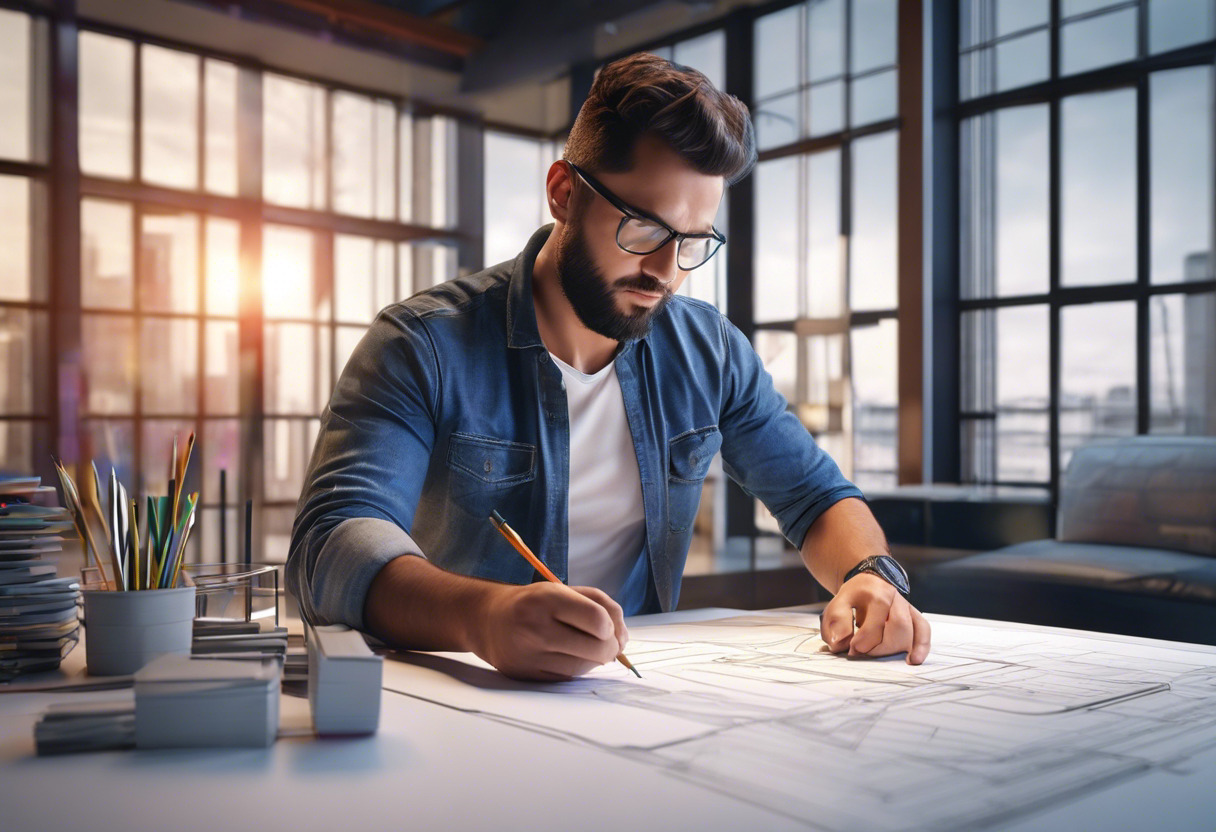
1140	754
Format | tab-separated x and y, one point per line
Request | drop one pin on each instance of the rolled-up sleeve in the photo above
367	471
768	451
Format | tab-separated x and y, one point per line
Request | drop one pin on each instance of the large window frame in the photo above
976	426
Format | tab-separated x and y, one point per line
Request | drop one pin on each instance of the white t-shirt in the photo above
607	517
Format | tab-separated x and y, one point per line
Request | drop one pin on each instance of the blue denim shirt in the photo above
451	408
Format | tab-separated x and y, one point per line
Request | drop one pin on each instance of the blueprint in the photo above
1001	721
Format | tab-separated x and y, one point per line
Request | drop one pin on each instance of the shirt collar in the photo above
522	331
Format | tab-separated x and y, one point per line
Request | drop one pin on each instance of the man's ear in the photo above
558	190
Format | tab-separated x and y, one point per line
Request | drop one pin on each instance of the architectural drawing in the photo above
1000	722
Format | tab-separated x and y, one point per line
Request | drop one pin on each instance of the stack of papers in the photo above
38	620
74	727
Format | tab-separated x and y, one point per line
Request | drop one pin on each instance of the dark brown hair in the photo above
644	93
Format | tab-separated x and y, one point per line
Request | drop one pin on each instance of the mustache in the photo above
643	283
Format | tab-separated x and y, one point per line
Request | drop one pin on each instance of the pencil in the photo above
516	541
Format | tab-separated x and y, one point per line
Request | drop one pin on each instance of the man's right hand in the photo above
549	632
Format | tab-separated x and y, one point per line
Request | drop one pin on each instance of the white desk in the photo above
433	767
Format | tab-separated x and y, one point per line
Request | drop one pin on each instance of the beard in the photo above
594	299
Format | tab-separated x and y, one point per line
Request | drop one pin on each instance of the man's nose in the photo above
662	263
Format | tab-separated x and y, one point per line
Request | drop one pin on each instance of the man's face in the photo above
614	293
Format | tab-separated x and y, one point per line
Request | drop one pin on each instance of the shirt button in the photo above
489	466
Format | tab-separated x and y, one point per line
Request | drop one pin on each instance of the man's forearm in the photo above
839	539
416	605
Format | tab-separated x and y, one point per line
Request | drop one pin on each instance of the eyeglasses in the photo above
641	233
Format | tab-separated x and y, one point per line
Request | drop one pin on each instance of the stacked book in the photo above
38	620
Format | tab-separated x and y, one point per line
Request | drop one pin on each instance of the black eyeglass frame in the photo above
631	213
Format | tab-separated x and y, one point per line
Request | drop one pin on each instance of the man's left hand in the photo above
886	623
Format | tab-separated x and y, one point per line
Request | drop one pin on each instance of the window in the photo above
1086	233
825	265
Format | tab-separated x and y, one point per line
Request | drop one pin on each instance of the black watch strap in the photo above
885	567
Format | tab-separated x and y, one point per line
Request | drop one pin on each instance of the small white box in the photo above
344	681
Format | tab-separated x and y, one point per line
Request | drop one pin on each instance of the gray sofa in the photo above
1134	552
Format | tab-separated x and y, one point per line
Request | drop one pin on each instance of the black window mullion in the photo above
1143	248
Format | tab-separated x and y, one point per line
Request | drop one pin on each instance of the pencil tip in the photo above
635	672
496	518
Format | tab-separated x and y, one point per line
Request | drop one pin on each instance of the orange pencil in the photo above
516	541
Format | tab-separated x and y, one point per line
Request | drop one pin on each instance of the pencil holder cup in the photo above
124	630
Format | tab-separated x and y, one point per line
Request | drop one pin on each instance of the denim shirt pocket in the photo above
689	456
483	464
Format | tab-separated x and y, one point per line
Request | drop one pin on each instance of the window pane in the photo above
875	393
405	270
23	355
1183	364
778	352
221	391
441	141
872	249
1181	168
776	240
353	134
1022	404
1176	23
384	284
1098	41
354	276
169	250
108	355
825	275
706	54
1022	61
777	121
822	410
16	446
1070	8
220	79
872	98
405	167
386	154
286	457
221	449
293	142
825	108
223	288
1098	185
169	101
291	368
168	358
106	257
110	444
1016	15
288	289
1005	160
208	529
107	96
825	40
515	170
346	338
872	35
157	453
276	532
15	106
15	238
1097	373
776	45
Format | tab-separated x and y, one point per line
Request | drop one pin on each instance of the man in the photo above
572	391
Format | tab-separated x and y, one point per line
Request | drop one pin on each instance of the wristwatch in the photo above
885	567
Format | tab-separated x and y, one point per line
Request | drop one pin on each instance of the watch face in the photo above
890	570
